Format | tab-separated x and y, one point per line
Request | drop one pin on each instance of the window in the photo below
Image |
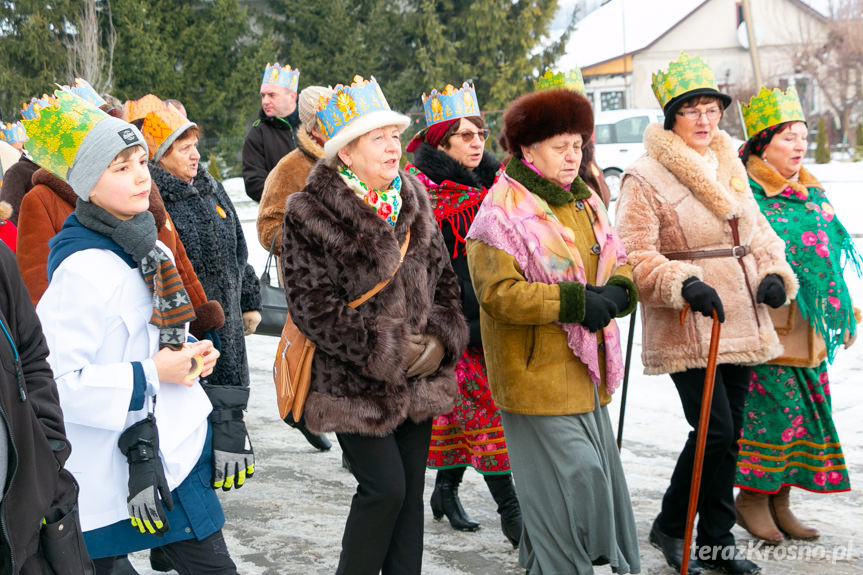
612	100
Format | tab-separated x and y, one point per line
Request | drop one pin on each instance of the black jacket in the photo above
37	447
16	183
213	237
268	141
440	167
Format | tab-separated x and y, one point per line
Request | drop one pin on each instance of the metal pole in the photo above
753	45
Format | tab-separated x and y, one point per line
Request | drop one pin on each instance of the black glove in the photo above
598	311
771	291
617	295
233	458
702	298
148	488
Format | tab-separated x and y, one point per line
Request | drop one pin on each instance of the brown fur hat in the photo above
541	115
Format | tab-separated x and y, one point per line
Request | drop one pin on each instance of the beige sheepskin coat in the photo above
670	202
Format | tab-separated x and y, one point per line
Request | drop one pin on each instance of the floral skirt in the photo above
788	435
472	433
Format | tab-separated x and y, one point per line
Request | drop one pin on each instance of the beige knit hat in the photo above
308	101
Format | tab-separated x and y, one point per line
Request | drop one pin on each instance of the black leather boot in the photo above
503	491
672	550
319	442
445	501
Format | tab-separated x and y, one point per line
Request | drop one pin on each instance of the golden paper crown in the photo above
162	126
137	109
450	104
768	108
572	80
58	128
685	74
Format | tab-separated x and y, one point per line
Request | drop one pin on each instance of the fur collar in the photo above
174	189
722	196
309	146
64	192
544	188
439	166
772	181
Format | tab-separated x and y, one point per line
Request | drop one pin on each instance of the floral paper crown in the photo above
348	103
450	104
281	76
29	110
768	108
84	90
685	74
57	128
572	80
11	133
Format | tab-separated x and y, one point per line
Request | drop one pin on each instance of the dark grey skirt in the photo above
573	494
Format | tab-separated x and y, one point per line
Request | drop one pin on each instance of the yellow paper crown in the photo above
450	104
768	108
685	74
58	128
137	109
572	80
162	126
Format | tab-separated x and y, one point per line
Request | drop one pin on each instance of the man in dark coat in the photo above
39	497
273	134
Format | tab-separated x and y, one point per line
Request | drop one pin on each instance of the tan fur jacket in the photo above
289	176
669	202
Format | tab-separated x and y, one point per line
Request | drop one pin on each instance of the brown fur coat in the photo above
669	202
289	176
335	248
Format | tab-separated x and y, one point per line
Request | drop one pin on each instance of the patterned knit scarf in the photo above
818	248
386	203
522	224
172	308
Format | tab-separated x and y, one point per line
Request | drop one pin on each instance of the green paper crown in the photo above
685	74
768	108
571	80
58	128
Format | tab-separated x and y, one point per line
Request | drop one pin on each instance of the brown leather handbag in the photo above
292	368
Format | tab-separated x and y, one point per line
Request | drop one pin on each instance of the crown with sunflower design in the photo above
685	74
162	125
11	133
84	90
771	107
572	80
450	104
281	76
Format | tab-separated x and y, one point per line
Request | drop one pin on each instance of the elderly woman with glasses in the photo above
451	161
696	238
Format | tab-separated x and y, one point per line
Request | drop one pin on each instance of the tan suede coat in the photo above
289	176
669	202
531	369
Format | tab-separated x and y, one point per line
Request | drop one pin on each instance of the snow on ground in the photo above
289	517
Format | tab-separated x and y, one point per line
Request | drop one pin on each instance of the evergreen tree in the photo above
822	150
858	144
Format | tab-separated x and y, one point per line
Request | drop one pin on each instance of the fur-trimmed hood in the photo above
335	248
722	195
439	166
774	183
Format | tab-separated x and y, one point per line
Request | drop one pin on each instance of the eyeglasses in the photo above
468	136
694	114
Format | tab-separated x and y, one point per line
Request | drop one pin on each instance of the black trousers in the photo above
384	529
209	556
716	495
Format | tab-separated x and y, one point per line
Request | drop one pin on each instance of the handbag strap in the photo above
265	277
382	284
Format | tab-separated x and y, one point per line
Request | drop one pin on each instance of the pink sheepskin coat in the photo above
670	201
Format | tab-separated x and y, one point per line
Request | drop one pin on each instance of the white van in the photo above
618	135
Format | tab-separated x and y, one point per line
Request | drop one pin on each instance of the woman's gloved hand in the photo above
148	488
598	310
414	346
251	319
771	291
702	298
233	456
429	360
614	293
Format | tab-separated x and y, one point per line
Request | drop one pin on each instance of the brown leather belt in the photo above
735	252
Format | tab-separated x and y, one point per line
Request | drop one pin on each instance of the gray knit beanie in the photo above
98	149
308	103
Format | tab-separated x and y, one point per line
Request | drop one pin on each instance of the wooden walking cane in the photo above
626	378
701	439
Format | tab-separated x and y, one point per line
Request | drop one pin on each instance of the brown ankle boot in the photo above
780	506
753	514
